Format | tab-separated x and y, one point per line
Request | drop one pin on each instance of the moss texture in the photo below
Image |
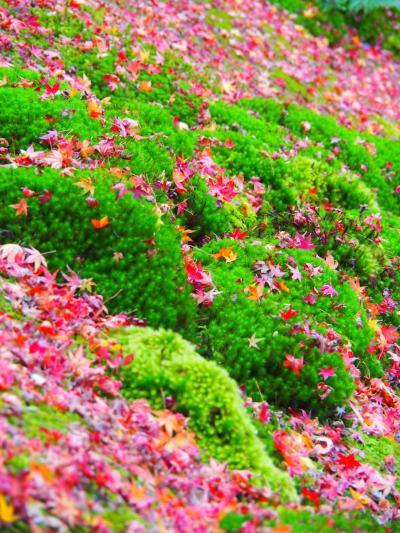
165	365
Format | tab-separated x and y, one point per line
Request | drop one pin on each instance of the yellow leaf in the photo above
227	87
310	12
373	324
227	254
86	185
144	56
6	511
306	463
360	498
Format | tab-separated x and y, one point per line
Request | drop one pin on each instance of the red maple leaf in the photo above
237	235
311	495
390	333
52	90
348	461
287	315
293	363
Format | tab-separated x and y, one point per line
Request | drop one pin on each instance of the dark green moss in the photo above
147	279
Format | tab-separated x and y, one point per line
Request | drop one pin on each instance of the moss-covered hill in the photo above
228	175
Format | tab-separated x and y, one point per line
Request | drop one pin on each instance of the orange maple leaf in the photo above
95	110
256	292
226	253
282	286
170	422
99	224
85	148
355	284
21	207
145	86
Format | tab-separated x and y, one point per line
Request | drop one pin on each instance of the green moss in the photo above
147	279
165	365
203	214
15	75
37	416
301	521
6	306
292	84
233	320
24	117
232	522
353	153
390	129
376	449
18	463
119	519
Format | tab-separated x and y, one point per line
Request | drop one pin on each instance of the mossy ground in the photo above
119	168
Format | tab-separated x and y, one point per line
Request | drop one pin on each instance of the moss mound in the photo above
165	365
135	259
254	338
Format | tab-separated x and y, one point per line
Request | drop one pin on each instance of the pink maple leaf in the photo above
327	372
328	290
303	242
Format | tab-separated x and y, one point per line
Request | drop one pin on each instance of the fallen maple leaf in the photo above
21	207
253	341
330	261
227	254
170	421
348	461
311	495
36	258
304	242
238	235
85	148
281	286
86	185
287	315
256	291
390	333
95	110
145	86
99	224
293	363
6	511
327	372
328	290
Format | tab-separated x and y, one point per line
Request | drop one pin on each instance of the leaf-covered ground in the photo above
199	267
